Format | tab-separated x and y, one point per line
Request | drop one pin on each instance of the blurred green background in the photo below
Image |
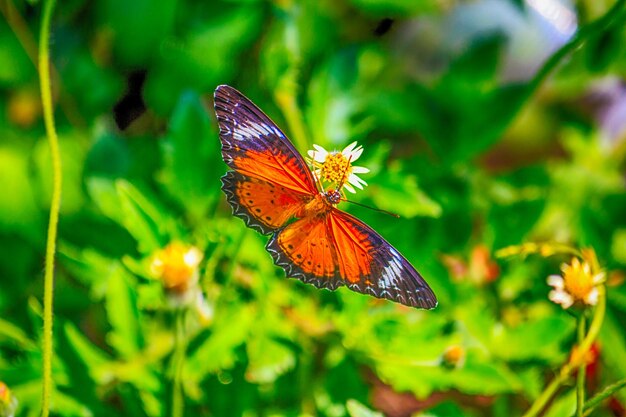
477	131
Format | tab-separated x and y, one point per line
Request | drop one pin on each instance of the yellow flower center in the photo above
453	354
577	279
4	393
336	168
176	266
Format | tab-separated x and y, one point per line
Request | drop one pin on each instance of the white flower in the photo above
336	167
576	284
558	295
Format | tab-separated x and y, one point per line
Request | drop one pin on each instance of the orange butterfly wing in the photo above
270	181
263	205
338	249
271	185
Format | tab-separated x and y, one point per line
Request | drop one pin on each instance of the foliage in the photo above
473	156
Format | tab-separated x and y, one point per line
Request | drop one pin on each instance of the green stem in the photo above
580	353
48	115
286	98
178	405
603	395
580	378
579	38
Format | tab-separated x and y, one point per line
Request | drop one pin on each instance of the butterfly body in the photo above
271	188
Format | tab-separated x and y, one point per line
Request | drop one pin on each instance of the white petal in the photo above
356	154
592	298
192	257
319	154
556	281
561	297
360	170
349	188
348	149
356	181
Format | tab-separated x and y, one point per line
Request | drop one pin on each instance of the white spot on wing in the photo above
392	273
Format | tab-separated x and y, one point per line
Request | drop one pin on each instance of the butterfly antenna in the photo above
397	216
340	186
345	175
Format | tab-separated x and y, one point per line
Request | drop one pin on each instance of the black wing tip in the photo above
426	298
428	302
225	92
223	88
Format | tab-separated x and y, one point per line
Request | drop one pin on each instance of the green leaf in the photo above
337	94
400	8
618	245
104	195
268	359
218	350
604	47
564	405
20	212
356	409
69	406
17	67
93	88
400	194
614	348
153	20
90	267
536	339
482	120
205	54
447	408
192	156
477	376
12	333
122	313
477	64
484	377
93	358
142	218
109	157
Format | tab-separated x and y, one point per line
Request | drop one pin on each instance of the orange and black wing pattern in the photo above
337	249
263	205
270	185
306	250
270	181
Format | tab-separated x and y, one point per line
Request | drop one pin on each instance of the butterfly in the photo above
273	190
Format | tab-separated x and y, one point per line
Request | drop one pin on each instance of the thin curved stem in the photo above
178	404
577	357
48	115
580	377
603	395
288	103
583	34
